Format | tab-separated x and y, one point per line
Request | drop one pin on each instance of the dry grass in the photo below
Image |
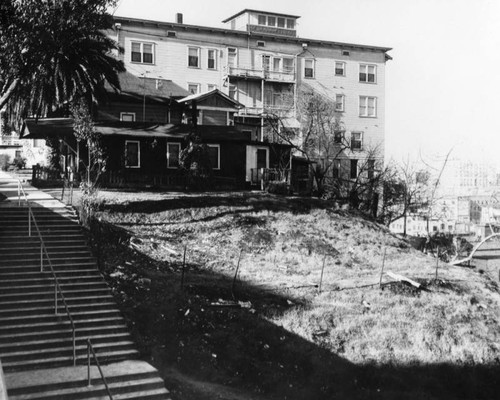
283	245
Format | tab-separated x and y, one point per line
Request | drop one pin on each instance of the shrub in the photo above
4	162
278	187
19	162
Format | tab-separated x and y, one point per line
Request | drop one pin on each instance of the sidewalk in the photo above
37	198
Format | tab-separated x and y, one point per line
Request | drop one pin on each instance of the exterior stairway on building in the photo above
34	341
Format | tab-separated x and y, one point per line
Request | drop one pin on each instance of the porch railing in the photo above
43	251
265	175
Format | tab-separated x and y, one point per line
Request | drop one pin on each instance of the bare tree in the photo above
320	140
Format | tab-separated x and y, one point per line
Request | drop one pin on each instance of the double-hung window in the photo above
339	103
356	141
132	154
308	68
339	68
194	88
214	155
173	153
367	73
212	59
142	53
194	57
367	106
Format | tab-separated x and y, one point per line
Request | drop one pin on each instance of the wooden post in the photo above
236	273
382	271
322	270
437	262
183	268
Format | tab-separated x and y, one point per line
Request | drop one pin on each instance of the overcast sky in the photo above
443	85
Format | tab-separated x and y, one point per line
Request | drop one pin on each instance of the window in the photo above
194	88
288	65
262	20
338	137
261	43
132	154
290	23
212	59
367	73
211	87
339	68
277	64
171	34
232	54
127	116
142	53
356	141
354	169
346	53
339	102
194	57
367	106
214	155
309	68
271	21
173	152
281	22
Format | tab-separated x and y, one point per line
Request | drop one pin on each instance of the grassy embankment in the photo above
272	334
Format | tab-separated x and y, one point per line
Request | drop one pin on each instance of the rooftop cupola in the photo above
263	22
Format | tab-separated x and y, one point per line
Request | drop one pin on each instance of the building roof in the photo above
260	12
215	92
208	29
63	127
159	90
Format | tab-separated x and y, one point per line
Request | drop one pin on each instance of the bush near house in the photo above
4	162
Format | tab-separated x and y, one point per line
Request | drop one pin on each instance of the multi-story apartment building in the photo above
259	60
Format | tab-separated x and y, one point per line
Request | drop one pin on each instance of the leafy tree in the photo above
54	51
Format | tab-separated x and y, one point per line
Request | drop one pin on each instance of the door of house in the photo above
261	158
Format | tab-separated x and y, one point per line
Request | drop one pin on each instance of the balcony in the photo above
286	75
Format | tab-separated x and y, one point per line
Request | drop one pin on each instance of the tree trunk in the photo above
6	95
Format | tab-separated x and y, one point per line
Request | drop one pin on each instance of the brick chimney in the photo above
179	18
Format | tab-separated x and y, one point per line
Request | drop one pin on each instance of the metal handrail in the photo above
90	348
43	249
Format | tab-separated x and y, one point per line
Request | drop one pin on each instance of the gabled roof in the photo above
200	97
160	90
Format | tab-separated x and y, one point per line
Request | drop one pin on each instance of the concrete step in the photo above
62	324
50	316
49	294
23	240
126	380
42	275
56	261
33	267
34	248
67	360
35	255
47	278
63	334
48	307
48	285
34	345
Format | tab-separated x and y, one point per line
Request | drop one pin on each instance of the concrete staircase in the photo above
34	340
